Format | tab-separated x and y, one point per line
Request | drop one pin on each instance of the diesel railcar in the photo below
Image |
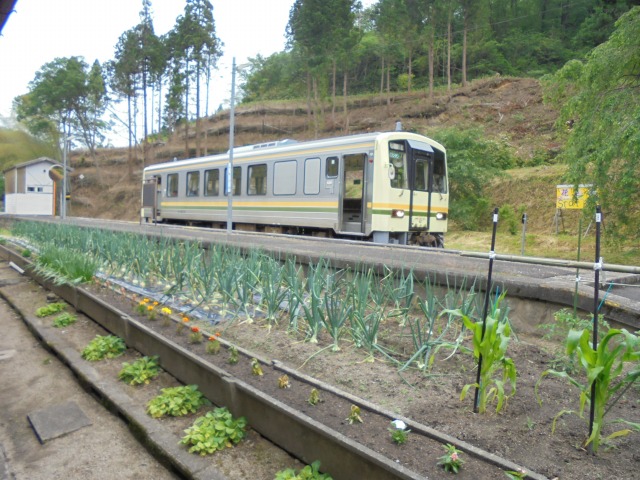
389	187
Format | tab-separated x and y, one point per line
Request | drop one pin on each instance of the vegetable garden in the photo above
424	333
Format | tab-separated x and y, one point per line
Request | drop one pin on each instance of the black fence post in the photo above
596	284
492	255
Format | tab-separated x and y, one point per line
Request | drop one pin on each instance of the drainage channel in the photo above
289	428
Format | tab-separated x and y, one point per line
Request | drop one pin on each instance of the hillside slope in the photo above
509	109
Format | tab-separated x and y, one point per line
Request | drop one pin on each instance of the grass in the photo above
562	246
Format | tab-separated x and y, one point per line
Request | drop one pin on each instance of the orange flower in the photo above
217	334
149	308
156	303
212	338
185	319
195	329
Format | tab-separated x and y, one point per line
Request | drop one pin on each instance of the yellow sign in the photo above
567	198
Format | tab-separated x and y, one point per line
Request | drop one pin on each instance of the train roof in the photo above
283	146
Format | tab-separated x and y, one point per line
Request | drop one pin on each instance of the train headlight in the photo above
397	213
441	216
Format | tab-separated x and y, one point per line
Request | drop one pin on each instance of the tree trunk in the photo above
388	85
316	120
309	100
431	60
144	119
130	126
186	113
198	125
333	94
345	80
382	80
410	70
464	52
449	55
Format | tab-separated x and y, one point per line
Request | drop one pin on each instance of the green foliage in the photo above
451	461
142	371
215	431
473	162
176	401
102	347
399	435
354	415
50	309
64	320
26	253
606	367
509	218
66	94
565	320
17	145
309	472
598	97
64	265
493	349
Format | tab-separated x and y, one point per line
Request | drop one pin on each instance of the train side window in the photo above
211	183
285	177
439	172
237	181
312	176
193	184
257	179
332	167
172	185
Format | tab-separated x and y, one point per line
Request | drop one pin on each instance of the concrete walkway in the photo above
33	379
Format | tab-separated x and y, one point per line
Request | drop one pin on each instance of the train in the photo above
386	187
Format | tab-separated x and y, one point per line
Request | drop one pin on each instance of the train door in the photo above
150	198
353	193
421	184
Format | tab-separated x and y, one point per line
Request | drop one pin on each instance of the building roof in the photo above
6	9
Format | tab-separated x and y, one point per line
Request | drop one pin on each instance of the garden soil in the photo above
521	433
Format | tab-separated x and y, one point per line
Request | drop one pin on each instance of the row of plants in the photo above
214	431
221	283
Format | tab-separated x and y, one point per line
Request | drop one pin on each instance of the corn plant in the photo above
493	349
605	374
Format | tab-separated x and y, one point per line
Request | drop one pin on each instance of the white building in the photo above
29	190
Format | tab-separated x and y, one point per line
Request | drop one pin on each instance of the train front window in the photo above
172	185
398	165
